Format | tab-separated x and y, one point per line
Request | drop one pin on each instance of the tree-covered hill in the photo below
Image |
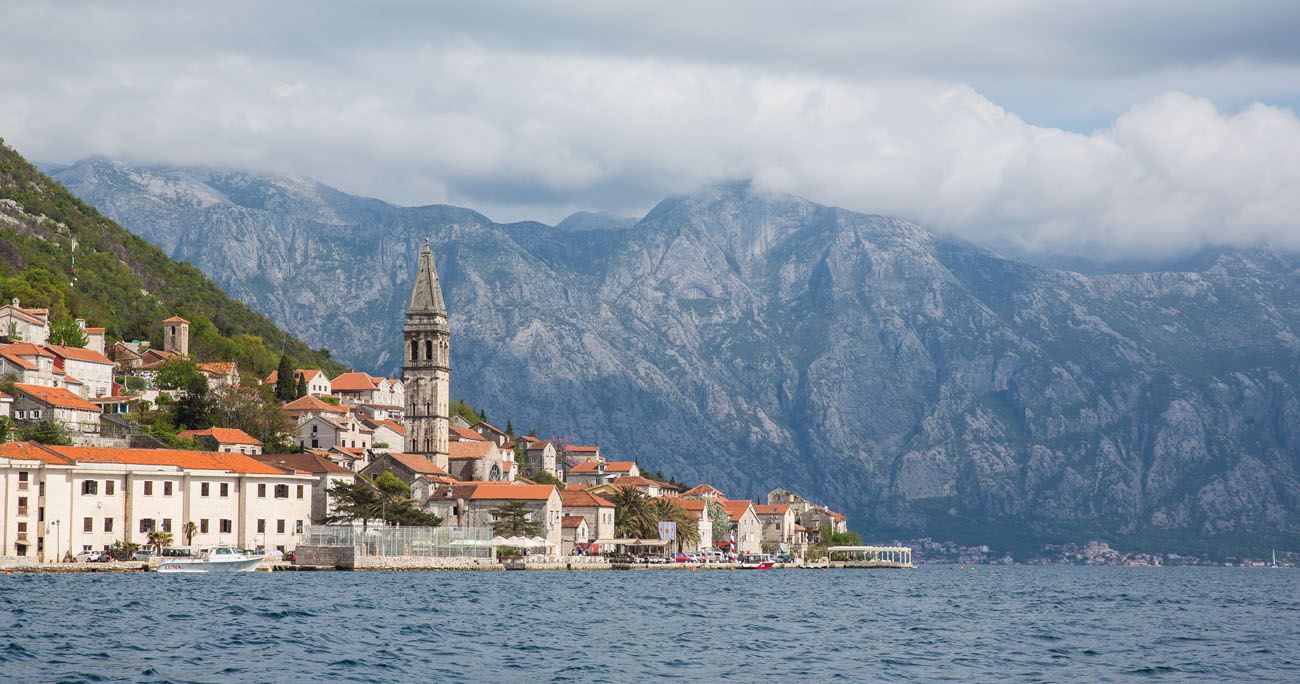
59	253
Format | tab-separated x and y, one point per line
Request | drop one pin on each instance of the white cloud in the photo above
538	131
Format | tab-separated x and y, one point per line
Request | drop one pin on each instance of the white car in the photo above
87	556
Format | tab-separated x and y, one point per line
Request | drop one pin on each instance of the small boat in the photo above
765	565
215	559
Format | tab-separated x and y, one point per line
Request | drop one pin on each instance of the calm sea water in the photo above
935	623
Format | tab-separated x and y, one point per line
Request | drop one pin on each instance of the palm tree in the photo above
633	517
190	530
688	525
158	539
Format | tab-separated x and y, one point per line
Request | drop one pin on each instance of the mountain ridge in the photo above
747	338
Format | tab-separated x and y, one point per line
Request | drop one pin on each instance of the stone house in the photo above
478	461
353	388
24	325
700	509
815	518
492	433
599	472
317	384
540	456
322	431
779	522
705	491
225	440
746	530
6	405
573	534
407	467
386	435
595	509
91	368
35	403
575	454
472	504
30	364
220	373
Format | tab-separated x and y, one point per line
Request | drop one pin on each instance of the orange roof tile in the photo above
417	464
354	382
94	331
694	505
311	404
56	396
735	508
216	367
572	521
222	435
175	319
391	425
79	354
467	434
26	349
469	450
705	490
634	481
17	360
27	451
581	498
190	460
499	491
305	462
582	449
771	509
586	467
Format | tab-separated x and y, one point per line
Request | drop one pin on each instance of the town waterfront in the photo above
973	623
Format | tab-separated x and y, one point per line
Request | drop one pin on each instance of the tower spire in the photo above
426	295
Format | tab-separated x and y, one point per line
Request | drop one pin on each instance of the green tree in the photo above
158	539
300	390
460	408
510	427
352	501
514	519
66	333
386	499
396	505
6	428
195	408
720	522
284	380
123	550
255	413
688	525
48	431
543	477
190	530
180	373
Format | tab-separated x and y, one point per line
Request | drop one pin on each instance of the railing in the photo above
427	542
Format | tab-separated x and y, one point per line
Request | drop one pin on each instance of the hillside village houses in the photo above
58	500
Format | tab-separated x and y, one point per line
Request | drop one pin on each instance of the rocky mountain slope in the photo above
748	339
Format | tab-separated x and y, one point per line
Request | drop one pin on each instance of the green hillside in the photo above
122	282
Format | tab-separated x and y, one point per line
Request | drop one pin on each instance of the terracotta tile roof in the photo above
5	396
634	481
490	426
705	490
694	505
586	467
68	379
354	382
467	434
469	450
17	360
355	452
79	354
27	451
619	466
190	460
305	462
771	509
308	374
26	349
582	449
311	404
581	498
499	491
572	521
390	424
735	508
56	396
416	463
94	331
535	444
19	312
222	435
175	319
216	367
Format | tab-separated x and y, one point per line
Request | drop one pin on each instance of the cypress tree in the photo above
284	389
301	390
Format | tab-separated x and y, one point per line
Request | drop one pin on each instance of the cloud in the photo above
569	106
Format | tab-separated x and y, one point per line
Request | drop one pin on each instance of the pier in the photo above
869	557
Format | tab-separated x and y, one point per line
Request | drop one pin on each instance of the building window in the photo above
22	528
146	525
203	526
314	443
203	489
280	548
225	526
22	479
167	489
109	487
300	491
148	488
261	525
89	487
279	526
108	524
415	350
297	527
282	491
167	524
88	525
428	350
261	491
225	489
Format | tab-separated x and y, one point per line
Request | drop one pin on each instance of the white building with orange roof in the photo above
387	435
478	461
779	522
573	534
91	368
597	510
325	430
227	440
705	491
24	325
58	501
601	472
746	533
316	382
94	336
699	509
472	504
30	364
359	388
311	406
575	454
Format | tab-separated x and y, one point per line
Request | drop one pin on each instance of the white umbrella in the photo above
499	541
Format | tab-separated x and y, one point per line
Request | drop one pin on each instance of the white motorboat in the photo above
215	559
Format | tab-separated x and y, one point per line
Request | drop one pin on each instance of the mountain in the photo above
59	253
595	220
752	340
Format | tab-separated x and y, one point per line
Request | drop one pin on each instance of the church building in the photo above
426	372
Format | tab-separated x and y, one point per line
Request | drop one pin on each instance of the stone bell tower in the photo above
426	372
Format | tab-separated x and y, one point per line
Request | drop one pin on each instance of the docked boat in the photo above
215	559
756	563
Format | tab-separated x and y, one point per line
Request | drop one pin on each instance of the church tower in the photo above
426	373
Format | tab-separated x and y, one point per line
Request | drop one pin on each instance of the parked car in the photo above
292	556
143	555
87	556
681	558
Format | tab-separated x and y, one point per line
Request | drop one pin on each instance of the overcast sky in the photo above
1099	128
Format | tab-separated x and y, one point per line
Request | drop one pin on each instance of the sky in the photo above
1104	129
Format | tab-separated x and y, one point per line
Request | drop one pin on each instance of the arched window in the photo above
415	349
428	350
428	444
496	473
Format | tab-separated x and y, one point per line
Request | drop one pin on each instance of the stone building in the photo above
426	371
176	336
